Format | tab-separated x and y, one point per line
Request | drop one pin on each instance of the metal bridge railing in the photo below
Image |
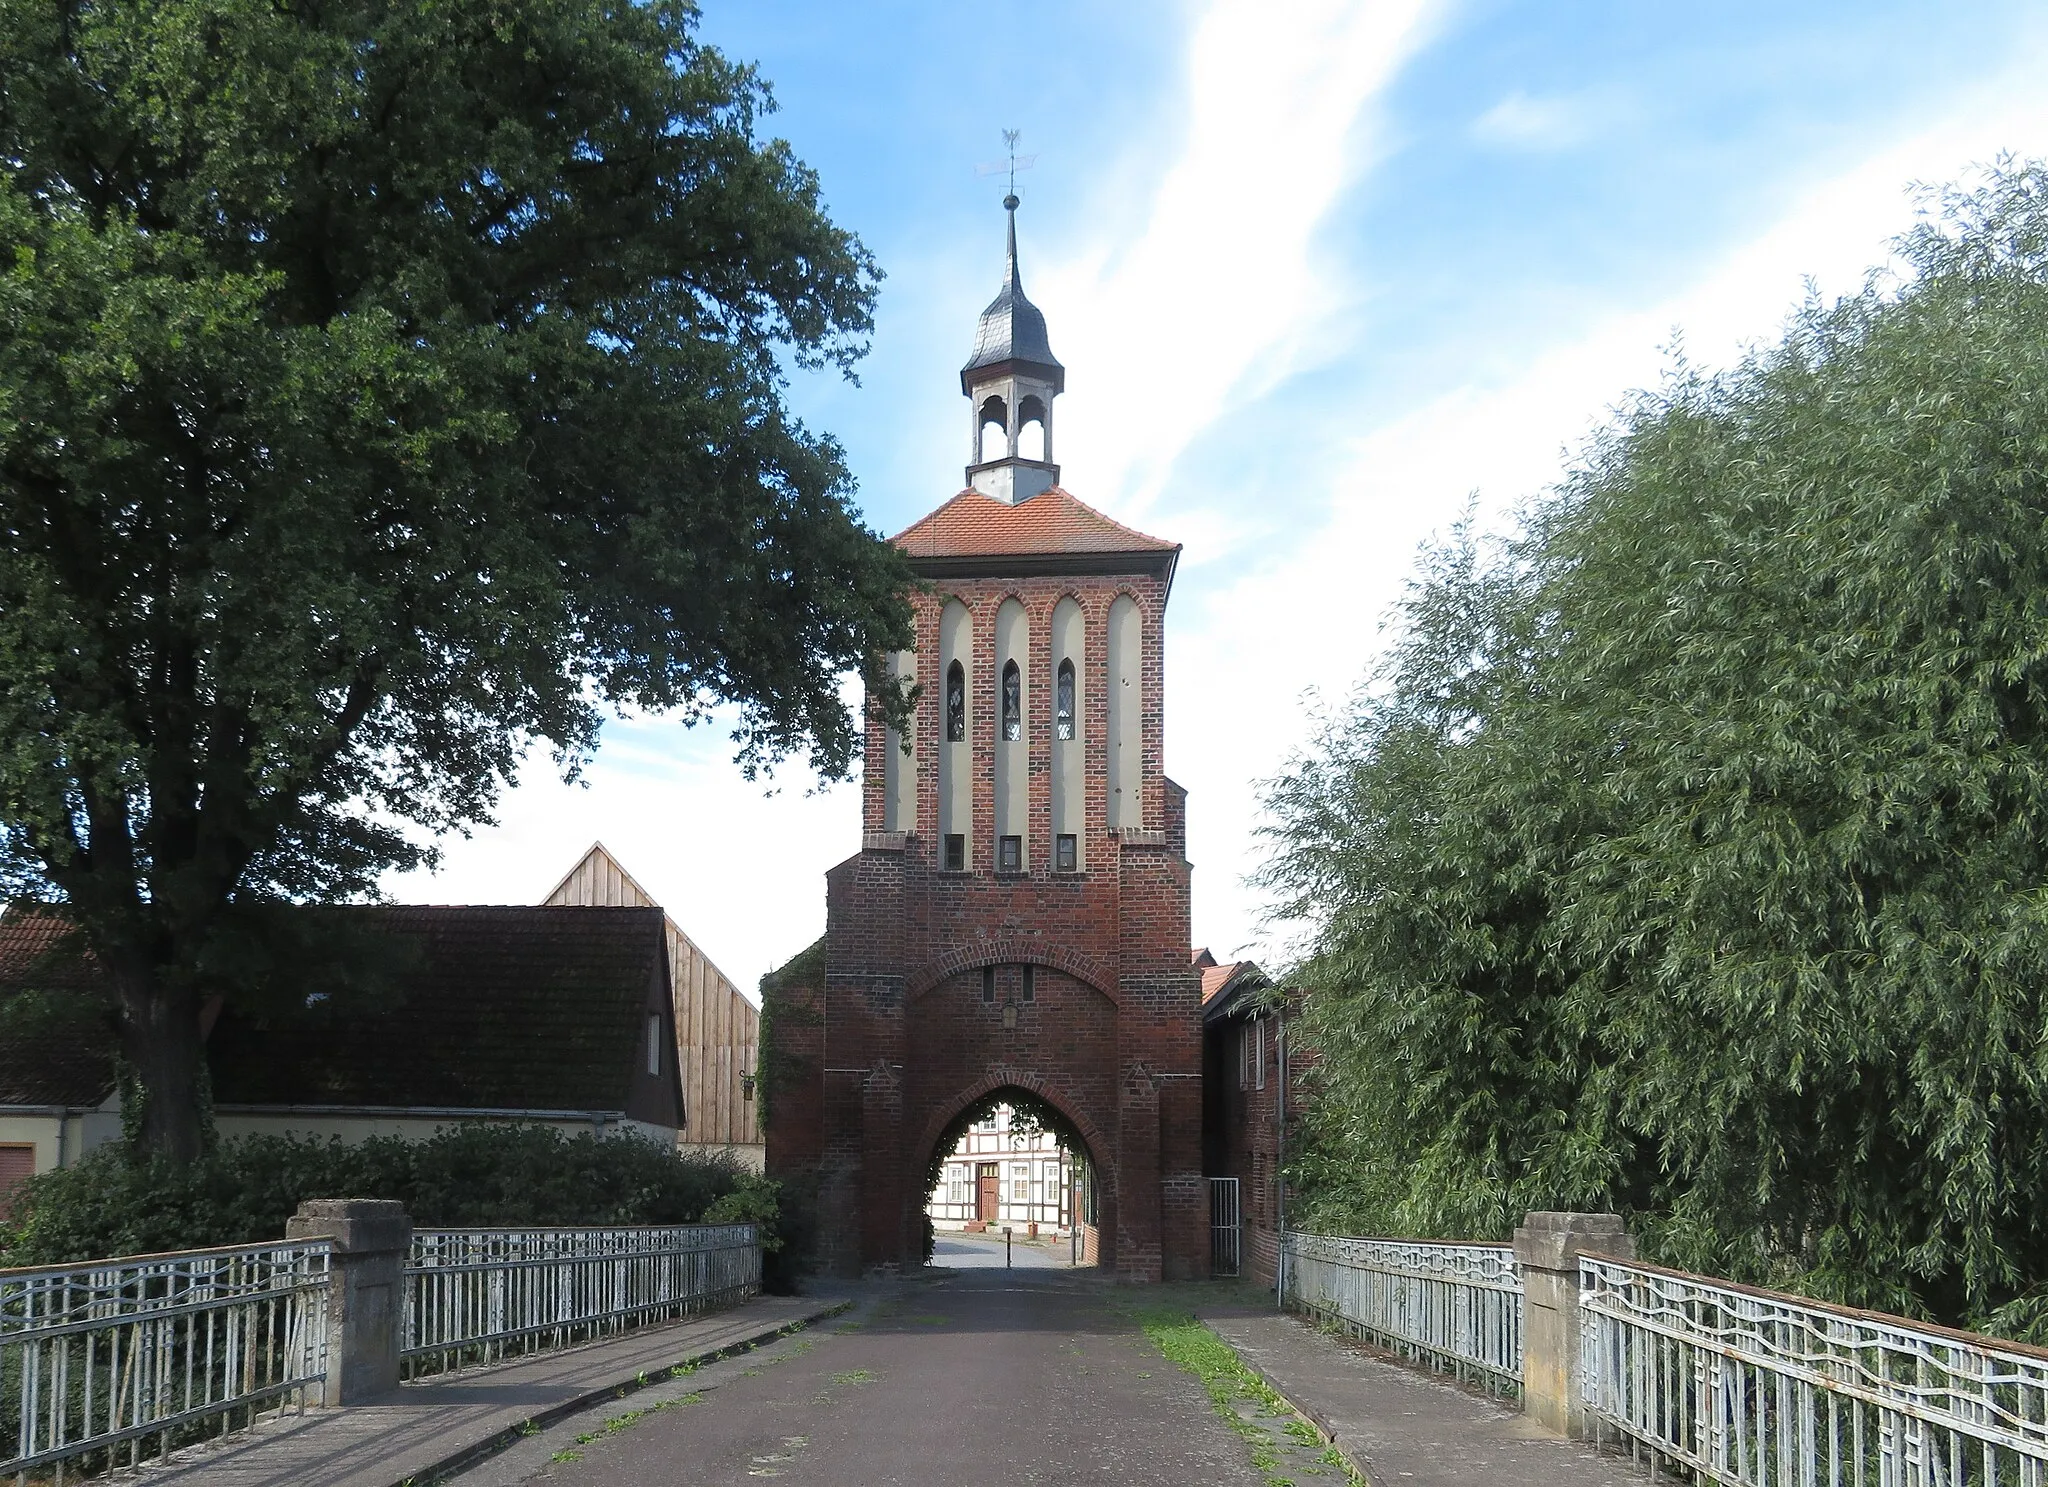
1751	1387
97	1359
1457	1307
476	1295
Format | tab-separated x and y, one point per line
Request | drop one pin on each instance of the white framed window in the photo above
654	1042
1259	1055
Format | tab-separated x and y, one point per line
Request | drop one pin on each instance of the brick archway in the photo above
951	1109
1013	950
1100	1153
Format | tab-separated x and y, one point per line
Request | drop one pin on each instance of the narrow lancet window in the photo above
1013	702
956	704
1066	701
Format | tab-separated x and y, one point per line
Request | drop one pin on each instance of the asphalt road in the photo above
976	1252
1033	1376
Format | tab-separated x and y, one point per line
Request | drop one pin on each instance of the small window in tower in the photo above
988	994
956	703
1013	702
955	860
1065	726
1066	853
654	1042
1030	985
1009	854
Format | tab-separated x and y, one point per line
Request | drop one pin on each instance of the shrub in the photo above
117	1203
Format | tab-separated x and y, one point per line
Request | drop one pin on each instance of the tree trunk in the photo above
160	1038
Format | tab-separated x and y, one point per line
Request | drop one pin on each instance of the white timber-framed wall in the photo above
1035	1177
717	1028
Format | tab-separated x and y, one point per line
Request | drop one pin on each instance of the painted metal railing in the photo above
1742	1386
1457	1307
122	1360
477	1295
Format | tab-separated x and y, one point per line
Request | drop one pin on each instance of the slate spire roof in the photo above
1012	329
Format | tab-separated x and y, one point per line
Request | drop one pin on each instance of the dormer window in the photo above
956	703
1064	702
1013	702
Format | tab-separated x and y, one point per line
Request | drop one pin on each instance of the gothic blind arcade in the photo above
1017	917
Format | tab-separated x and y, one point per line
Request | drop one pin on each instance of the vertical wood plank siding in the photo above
717	1029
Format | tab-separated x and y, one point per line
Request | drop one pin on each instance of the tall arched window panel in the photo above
956	761
1069	757
1013	710
1126	714
1013	702
956	703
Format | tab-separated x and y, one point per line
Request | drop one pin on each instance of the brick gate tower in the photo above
1016	919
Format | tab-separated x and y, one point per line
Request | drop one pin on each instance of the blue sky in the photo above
1320	273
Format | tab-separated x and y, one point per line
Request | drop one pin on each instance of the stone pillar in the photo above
366	1305
1547	1248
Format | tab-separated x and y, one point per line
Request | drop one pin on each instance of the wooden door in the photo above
986	1177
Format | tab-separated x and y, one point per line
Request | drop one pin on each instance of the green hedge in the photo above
243	1191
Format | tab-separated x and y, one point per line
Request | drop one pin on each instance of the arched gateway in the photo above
1017	916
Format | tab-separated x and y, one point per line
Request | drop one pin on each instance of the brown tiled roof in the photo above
1225	987
480	1008
1052	522
1215	978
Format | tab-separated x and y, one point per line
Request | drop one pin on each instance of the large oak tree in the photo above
385	386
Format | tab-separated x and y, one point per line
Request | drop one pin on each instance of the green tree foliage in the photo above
1688	856
387	385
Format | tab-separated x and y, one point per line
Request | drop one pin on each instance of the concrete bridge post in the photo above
366	1300
1547	1248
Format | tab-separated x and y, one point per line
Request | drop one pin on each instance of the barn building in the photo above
1015	925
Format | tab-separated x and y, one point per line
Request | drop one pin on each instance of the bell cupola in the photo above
1011	381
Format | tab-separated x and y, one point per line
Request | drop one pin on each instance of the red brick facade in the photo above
880	1051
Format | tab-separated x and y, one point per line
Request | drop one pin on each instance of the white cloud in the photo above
1217	285
1519	122
1312	618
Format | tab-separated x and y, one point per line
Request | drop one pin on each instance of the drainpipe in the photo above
1280	1161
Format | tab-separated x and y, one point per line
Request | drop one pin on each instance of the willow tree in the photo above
1691	854
385	387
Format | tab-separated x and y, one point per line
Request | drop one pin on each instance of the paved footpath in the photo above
1400	1424
424	1428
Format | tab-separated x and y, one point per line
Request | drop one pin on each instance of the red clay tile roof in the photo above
1053	522
1215	978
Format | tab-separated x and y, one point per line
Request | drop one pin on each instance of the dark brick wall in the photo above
902	1041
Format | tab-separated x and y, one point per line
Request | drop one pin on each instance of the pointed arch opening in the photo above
1011	1157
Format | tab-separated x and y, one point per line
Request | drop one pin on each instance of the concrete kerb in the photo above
463	1459
1308	1412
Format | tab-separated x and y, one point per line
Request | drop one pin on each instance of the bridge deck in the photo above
1401	1425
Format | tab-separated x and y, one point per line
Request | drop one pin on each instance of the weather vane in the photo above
1014	164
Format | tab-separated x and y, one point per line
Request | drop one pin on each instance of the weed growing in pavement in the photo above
1276	1437
855	1376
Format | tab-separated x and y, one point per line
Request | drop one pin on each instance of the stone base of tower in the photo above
933	992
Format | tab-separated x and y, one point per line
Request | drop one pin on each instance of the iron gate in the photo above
1226	1227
